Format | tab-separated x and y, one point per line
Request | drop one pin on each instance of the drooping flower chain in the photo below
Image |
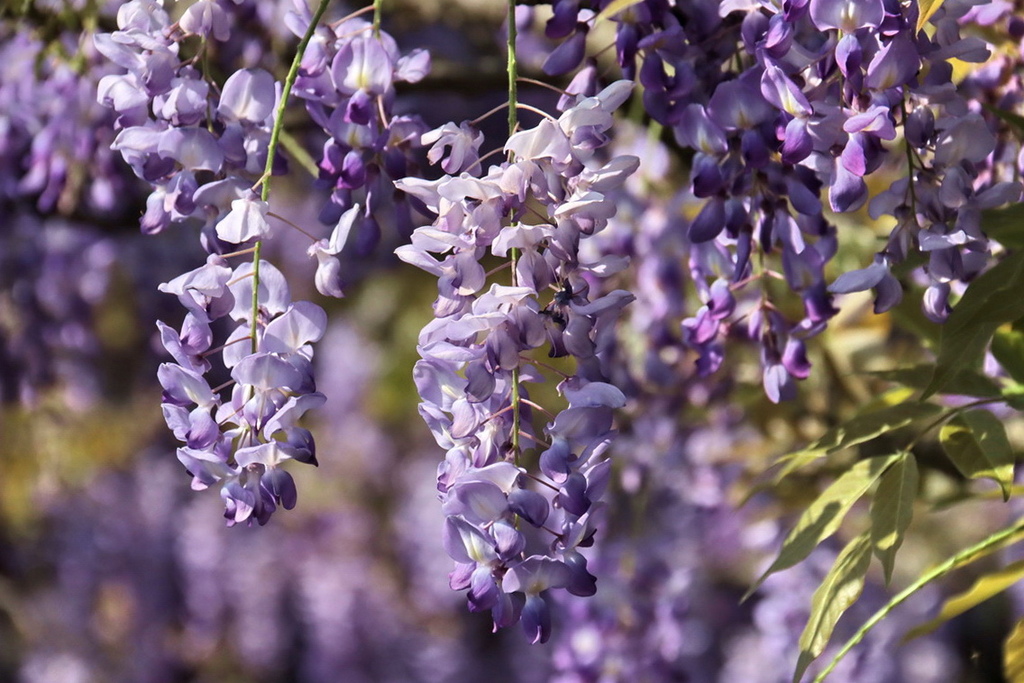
176	131
536	208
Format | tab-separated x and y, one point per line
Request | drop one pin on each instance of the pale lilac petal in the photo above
247	220
249	95
303	323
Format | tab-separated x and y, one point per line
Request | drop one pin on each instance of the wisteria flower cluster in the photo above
241	443
347	79
578	375
201	147
476	363
204	148
796	100
890	79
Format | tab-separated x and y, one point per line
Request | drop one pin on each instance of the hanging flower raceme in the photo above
240	440
515	534
787	105
203	149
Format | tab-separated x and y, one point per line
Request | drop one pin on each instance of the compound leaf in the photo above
823	517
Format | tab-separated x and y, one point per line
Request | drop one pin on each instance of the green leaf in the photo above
822	518
615	7
838	590
857	430
964	381
1013	655
976	443
1008	348
985	587
925	9
991	300
892	510
868	426
1005	224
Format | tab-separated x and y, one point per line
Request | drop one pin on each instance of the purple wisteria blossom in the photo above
239	441
204	150
516	535
200	149
347	80
797	105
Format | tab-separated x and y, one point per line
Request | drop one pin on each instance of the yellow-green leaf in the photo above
858	430
925	9
892	510
1013	655
838	590
615	7
965	382
823	517
976	443
987	545
984	588
869	426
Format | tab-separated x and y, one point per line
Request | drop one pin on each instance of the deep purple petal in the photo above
536	619
709	222
281	485
530	505
568	55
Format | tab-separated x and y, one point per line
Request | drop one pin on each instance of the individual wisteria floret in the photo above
240	440
347	79
514	534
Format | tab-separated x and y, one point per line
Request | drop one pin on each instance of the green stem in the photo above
936	572
275	137
513	69
255	295
377	8
289	81
513	109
